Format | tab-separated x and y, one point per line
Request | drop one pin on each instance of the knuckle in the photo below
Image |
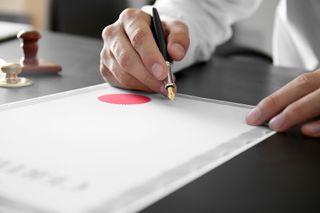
124	80
294	110
104	72
270	102
305	81
112	66
180	33
111	80
128	14
109	31
124	60
113	45
181	26
109	62
103	55
122	56
138	37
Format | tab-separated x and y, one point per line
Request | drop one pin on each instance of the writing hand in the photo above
130	57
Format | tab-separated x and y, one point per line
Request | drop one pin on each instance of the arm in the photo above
130	57
209	22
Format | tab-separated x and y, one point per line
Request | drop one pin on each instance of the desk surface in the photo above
280	174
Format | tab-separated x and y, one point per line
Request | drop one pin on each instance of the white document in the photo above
11	29
71	152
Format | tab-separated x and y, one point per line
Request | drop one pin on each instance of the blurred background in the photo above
88	18
77	17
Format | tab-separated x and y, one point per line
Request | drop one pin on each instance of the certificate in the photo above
105	149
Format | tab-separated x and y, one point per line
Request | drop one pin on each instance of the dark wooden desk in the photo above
281	174
79	58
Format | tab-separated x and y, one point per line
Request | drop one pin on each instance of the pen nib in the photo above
171	94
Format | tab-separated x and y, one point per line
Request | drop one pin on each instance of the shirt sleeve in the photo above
209	23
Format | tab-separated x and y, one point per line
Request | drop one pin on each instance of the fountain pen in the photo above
159	36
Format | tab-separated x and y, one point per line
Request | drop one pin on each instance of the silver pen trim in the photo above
170	81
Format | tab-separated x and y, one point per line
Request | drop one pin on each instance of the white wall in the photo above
36	10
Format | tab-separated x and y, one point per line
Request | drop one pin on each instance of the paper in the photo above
76	152
11	29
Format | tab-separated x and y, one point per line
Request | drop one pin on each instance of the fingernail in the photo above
277	122
157	71
254	116
178	49
163	90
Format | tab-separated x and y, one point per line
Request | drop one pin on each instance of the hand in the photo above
295	103
130	57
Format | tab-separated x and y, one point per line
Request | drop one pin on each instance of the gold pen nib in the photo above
171	94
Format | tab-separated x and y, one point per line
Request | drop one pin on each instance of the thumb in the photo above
178	40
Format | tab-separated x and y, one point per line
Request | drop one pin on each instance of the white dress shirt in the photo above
296	33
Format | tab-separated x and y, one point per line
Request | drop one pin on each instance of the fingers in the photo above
178	40
111	78
311	129
302	110
108	76
130	57
286	95
294	103
116	76
125	63
137	27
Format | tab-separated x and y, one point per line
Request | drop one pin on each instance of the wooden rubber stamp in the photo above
11	76
30	62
